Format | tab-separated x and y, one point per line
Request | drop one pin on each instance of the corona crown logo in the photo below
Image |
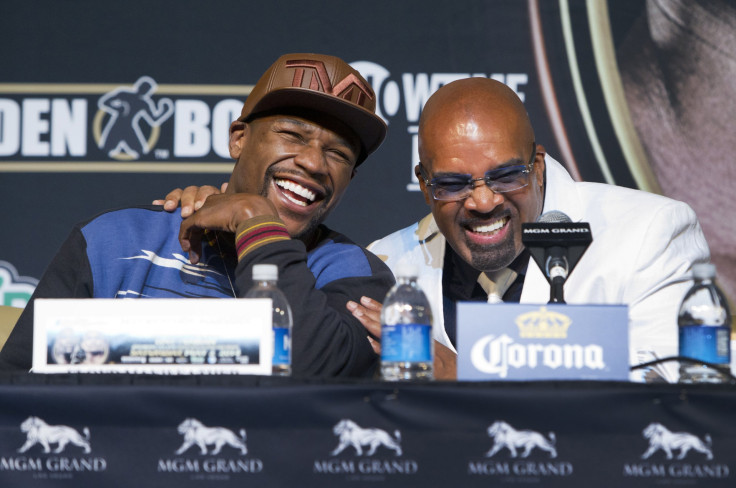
543	324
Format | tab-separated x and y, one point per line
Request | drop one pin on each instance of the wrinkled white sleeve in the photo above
661	276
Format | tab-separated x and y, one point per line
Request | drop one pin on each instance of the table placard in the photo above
160	336
509	341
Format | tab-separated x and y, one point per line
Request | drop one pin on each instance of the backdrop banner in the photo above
105	105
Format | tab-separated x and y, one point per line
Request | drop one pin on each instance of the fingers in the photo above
190	239
187	198
223	212
368	312
445	362
370	304
375	345
371	310
191	198
173	196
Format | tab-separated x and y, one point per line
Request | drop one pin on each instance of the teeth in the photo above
490	227
298	189
298	202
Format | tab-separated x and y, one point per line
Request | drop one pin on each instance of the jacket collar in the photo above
560	192
431	241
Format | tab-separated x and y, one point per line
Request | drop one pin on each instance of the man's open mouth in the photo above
296	193
491	228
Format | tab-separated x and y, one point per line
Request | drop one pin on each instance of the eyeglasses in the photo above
452	187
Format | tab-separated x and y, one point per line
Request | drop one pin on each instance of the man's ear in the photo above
237	136
539	166
422	186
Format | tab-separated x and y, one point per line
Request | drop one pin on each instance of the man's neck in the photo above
311	238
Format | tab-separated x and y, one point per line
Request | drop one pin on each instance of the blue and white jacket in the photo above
135	253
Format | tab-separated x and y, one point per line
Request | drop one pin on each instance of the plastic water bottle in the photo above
705	329
265	277
406	334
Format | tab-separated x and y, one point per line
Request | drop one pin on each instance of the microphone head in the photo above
554	217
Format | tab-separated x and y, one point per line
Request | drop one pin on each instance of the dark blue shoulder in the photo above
337	257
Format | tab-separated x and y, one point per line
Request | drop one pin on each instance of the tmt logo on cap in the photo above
320	81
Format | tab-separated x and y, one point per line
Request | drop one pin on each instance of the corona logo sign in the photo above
518	341
543	324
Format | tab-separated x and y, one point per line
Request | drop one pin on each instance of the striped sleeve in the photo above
257	232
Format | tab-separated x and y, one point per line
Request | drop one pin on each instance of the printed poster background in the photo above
631	92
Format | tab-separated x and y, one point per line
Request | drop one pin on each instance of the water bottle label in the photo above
710	344
406	342
281	345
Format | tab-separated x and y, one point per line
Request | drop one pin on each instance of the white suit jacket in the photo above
643	248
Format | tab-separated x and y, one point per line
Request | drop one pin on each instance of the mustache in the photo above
472	221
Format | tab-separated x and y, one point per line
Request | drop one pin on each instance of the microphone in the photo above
554	216
556	244
556	265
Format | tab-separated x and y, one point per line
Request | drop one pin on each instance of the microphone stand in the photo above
556	293
557	271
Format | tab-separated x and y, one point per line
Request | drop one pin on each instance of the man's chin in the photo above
301	230
498	257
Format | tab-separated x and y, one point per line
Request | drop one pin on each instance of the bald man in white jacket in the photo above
472	134
643	248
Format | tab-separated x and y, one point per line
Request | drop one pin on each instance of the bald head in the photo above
474	104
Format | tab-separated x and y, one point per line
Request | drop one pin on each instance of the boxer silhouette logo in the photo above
196	433
39	432
506	436
661	438
123	137
351	434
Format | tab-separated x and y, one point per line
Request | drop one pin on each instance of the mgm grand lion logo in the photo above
39	432
505	436
196	433
351	434
661	438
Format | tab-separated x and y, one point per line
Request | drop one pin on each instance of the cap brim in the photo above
369	127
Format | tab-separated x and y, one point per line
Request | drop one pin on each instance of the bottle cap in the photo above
265	272
704	271
407	270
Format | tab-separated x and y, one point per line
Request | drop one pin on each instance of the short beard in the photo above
307	235
485	258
